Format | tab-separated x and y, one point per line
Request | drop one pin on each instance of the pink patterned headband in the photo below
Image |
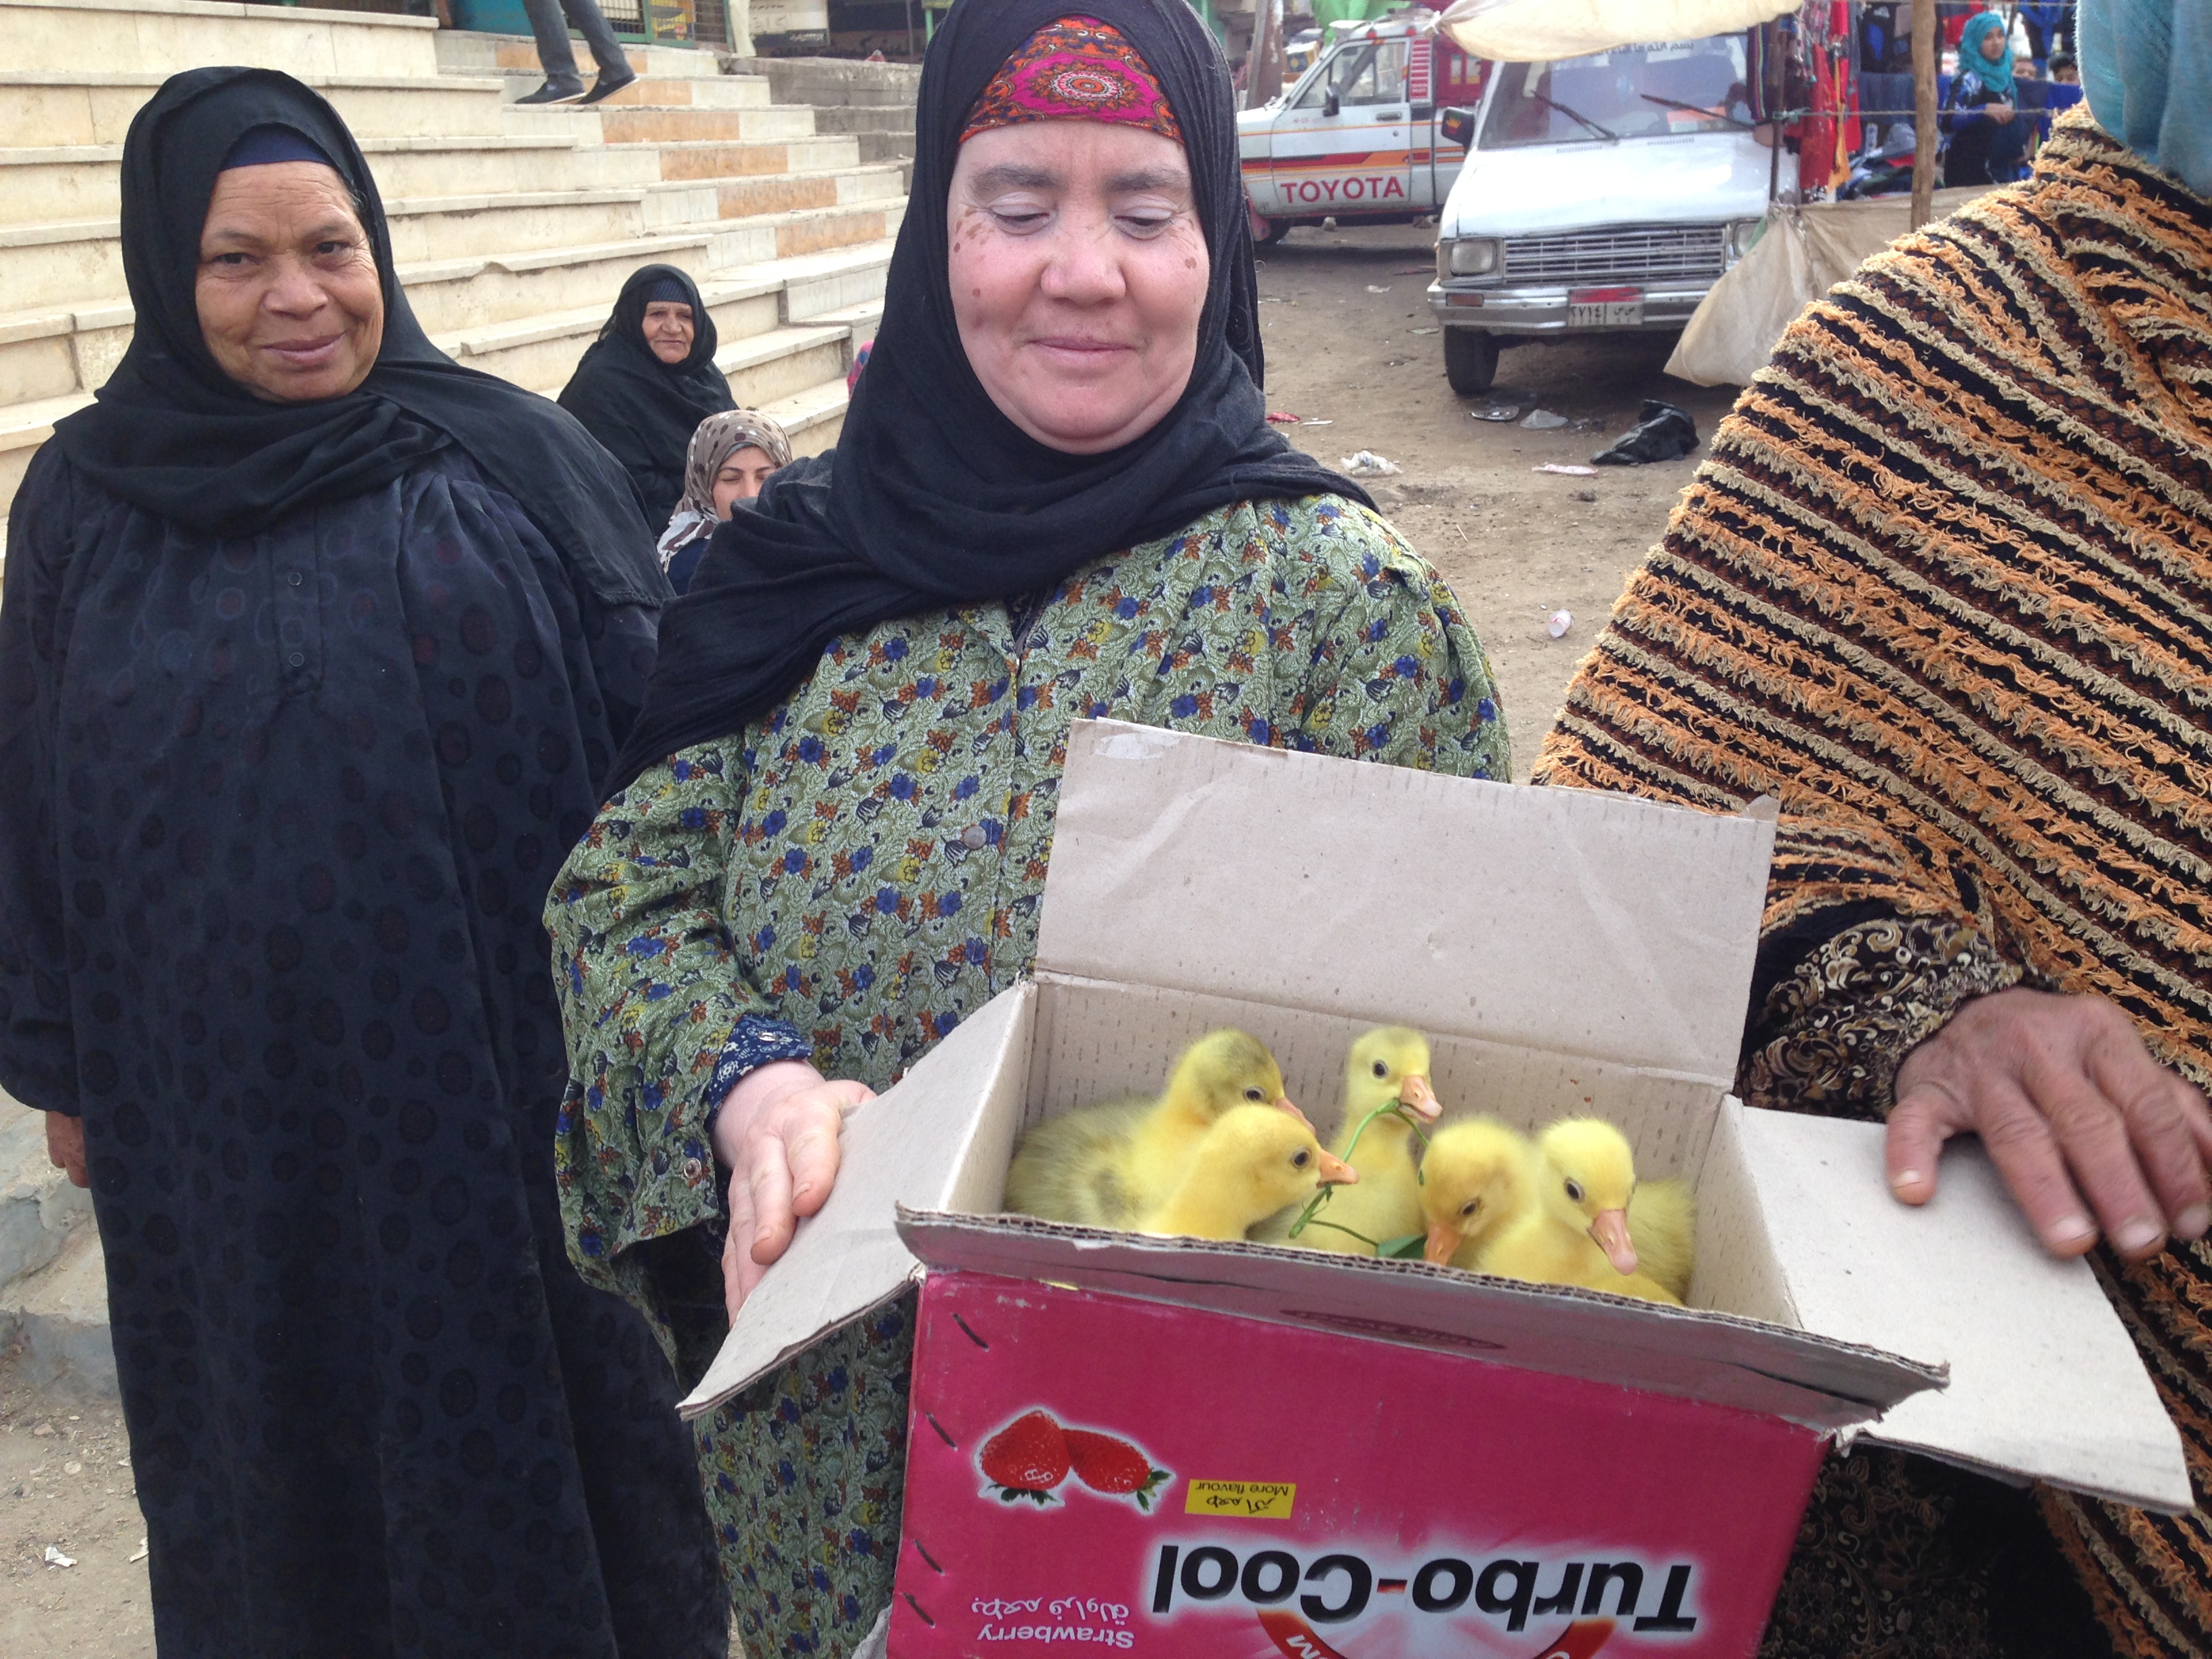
1076	70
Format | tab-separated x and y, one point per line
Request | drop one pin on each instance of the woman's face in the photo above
286	288
1078	271
1993	45
668	330
741	478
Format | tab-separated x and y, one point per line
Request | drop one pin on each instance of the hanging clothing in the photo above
642	410
933	497
718	438
283	794
1976	689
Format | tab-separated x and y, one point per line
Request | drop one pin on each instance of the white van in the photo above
1355	139
1600	194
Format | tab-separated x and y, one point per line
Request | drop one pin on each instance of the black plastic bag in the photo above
1665	434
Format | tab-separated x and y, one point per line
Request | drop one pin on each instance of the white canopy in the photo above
1537	31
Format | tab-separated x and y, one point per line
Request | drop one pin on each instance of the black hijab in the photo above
933	497
642	410
173	434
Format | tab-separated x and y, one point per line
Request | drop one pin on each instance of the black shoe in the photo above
556	91
603	88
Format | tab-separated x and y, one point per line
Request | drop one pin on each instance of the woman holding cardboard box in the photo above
1945	588
1056	495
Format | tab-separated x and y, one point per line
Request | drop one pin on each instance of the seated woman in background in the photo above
1944	588
314	647
1056	495
648	380
1990	138
732	456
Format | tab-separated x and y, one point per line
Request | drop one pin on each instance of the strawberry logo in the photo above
1113	1466
1033	1454
1027	1458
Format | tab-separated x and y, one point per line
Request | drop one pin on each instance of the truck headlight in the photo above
1741	234
1475	256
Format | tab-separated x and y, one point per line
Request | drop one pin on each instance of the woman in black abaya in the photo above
313	647
648	380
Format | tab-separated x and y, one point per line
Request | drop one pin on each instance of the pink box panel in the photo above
1095	1473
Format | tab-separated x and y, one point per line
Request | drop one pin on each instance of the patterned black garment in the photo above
277	815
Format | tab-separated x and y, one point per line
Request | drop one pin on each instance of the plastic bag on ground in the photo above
1367	464
1666	432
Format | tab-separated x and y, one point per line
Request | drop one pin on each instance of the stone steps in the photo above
54	262
53	1290
469	51
50	361
95	107
81	183
59	1313
513	227
162	36
655	91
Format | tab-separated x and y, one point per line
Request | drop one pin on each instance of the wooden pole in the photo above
1923	112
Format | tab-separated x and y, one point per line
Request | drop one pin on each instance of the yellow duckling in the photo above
1390	1063
1252	1162
1478	1177
1576	1233
1106	1165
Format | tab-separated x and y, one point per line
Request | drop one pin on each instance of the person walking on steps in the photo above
558	57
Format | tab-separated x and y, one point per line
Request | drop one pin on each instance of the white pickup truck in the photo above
1356	137
1600	194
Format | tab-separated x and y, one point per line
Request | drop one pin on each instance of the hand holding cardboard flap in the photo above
2045	1379
923	1142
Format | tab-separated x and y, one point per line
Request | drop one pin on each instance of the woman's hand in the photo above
2000	113
2069	1103
777	1132
65	1146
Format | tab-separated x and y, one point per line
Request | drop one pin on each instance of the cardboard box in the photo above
1325	1454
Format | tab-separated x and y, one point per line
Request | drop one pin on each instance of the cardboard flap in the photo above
1627	932
2046	1381
1712	1356
941	1137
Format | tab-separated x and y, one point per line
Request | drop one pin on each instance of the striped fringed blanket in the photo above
1945	588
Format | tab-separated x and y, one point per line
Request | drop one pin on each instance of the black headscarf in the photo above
173	434
935	498
642	410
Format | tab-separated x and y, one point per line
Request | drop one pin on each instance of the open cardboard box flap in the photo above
1559	921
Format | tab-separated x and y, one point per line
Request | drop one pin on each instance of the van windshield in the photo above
1633	92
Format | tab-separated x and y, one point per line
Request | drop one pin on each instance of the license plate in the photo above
1605	307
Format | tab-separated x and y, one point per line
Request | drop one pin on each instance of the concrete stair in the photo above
513	227
53	1289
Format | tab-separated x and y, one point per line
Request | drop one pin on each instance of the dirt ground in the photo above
1349	341
66	1483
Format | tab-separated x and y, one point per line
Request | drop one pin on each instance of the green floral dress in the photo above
853	873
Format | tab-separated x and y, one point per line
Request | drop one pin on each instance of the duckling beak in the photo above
1417	1098
1443	1244
1335	1172
1284	1104
1611	1232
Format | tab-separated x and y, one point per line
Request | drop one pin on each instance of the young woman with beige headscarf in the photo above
731	457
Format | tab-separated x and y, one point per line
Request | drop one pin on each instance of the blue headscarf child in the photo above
1995	76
